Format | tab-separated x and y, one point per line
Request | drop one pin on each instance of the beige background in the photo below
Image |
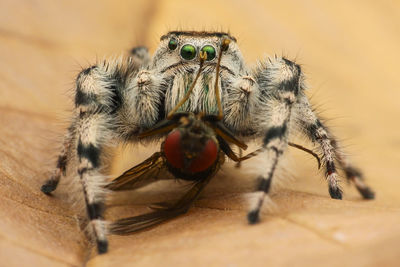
350	53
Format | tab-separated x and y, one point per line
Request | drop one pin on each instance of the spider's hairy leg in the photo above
318	132
140	55
97	100
353	174
113	102
279	83
320	135
92	136
62	161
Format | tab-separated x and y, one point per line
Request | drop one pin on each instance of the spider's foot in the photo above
366	192
49	186
102	246
253	217
335	192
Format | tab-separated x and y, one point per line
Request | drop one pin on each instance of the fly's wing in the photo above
134	224
140	175
161	213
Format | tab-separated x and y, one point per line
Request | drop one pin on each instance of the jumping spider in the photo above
196	94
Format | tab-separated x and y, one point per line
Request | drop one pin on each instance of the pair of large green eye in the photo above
189	52
210	50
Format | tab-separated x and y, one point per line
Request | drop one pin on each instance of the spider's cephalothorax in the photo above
201	75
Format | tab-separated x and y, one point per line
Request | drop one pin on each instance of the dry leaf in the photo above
350	54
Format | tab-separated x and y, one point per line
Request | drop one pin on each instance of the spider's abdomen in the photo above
194	157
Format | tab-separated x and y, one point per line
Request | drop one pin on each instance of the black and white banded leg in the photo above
353	174
61	168
282	78
317	132
97	100
91	140
140	56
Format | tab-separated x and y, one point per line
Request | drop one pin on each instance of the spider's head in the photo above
180	50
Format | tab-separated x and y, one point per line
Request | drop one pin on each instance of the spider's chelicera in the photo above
198	97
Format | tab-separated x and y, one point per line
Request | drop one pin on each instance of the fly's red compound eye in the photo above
175	156
173	150
205	158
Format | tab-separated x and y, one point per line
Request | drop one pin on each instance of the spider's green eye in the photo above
173	44
210	50
188	52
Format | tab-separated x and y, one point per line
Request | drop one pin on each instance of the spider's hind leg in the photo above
355	176
140	55
62	161
314	129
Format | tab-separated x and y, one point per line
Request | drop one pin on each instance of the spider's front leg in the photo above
279	81
97	102
113	102
139	59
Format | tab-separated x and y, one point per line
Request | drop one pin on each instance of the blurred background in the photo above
349	51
